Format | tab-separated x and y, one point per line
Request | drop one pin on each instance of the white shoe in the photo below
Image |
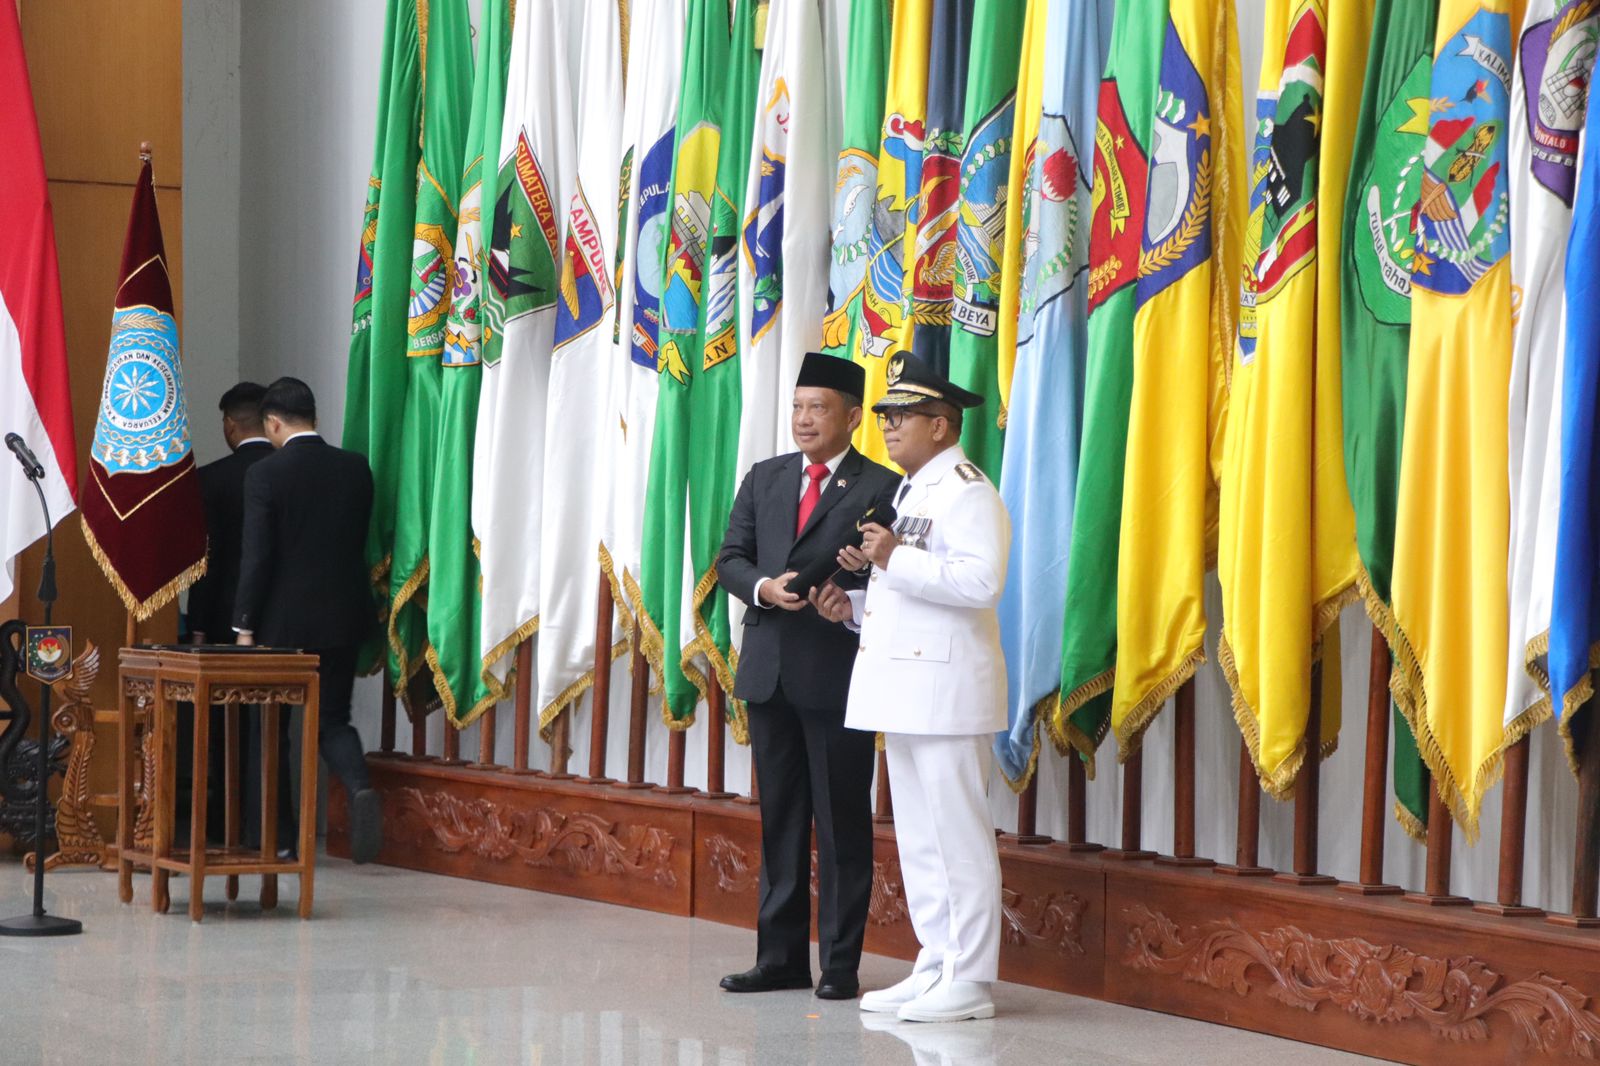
950	1001
890	1000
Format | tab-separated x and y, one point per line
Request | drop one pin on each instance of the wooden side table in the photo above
152	681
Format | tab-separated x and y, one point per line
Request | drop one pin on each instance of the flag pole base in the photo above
40	925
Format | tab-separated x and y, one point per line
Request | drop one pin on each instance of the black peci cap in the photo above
821	371
912	382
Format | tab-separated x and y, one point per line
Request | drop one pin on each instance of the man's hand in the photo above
853	559
775	593
245	640
831	602
877	544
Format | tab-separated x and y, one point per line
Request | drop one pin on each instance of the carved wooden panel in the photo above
528	832
581	843
1455	998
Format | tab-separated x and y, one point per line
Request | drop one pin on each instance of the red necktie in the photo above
818	473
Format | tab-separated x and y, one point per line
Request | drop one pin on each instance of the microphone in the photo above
30	463
826	567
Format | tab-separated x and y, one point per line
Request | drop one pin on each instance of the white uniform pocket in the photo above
923	645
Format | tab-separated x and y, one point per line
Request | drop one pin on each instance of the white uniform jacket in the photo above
930	659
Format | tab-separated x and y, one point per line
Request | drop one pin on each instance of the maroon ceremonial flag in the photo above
140	499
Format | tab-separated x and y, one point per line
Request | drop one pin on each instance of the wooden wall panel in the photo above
106	75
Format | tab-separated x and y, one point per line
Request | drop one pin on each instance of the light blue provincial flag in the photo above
1039	473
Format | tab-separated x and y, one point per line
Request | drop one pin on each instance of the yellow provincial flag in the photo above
1024	141
886	326
1452	526
1284	506
1188	289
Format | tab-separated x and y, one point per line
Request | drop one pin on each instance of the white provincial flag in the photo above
538	159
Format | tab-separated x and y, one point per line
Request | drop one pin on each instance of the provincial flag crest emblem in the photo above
1055	242
1118	200
1293	132
432	263
522	246
1383	251
1177	226
1558	60
763	228
584	287
655	182
854	195
980	231
1464	205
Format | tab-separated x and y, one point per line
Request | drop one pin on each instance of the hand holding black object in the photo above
877	544
777	592
824	568
831	602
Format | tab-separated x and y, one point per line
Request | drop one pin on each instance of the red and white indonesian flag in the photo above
35	402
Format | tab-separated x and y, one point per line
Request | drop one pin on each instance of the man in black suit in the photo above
303	577
794	676
210	614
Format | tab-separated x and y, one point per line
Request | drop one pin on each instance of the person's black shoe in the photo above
366	826
288	854
764	979
838	985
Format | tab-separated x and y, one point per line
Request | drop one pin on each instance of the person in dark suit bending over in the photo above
794	676
211	601
303	577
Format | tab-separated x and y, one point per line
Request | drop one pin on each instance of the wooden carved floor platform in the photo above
1377	975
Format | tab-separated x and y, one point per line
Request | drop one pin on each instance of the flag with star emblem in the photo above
1450	598
1048	266
446	112
1375	311
453	576
1124	123
535	180
575	471
1549	102
981	225
1183	335
694	177
140	498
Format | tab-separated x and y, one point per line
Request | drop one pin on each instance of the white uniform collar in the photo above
937	467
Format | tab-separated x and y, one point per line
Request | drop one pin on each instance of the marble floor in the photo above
402	967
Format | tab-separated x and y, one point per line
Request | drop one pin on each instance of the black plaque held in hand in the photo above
825	567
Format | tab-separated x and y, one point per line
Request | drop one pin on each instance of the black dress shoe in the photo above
838	986
765	979
366	826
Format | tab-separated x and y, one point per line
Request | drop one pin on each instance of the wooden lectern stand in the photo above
152	681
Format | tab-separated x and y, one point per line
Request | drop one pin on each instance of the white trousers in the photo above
948	860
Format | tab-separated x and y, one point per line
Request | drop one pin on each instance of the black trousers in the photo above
337	739
813	772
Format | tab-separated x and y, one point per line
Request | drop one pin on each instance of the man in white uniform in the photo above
931	677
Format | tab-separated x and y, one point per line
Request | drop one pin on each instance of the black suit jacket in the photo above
222	489
810	656
303	570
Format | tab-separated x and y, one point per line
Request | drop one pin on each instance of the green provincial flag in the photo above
1122	137
694	175
714	398
377	372
980	230
1385	181
453	563
446	111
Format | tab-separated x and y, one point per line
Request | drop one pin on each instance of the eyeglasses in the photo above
894	419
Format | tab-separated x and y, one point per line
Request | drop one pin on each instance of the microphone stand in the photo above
39	923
